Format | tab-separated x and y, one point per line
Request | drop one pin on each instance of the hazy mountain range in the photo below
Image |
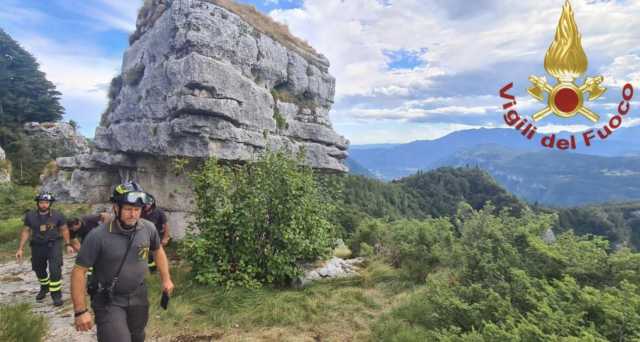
607	171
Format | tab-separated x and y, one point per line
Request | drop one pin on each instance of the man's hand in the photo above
84	322
19	255
105	217
167	286
165	241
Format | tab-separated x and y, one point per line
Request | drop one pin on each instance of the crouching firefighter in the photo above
118	253
47	228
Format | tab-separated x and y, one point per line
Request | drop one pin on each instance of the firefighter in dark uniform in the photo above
155	215
118	252
47	228
79	228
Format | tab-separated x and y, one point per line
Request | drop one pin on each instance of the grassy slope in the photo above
330	311
338	310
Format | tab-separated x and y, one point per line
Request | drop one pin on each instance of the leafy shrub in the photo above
15	200
10	229
416	247
419	247
501	282
257	223
370	233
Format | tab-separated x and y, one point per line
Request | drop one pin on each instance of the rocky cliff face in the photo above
5	168
200	82
55	139
200	79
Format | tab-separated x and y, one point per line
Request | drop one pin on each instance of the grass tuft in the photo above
19	324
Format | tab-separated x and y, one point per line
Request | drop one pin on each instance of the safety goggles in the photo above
45	197
136	198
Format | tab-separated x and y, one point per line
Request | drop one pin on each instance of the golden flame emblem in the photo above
566	61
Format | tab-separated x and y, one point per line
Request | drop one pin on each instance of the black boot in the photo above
44	289
57	298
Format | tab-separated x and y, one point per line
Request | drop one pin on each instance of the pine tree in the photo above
25	93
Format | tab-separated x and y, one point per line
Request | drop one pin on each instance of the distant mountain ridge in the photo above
607	171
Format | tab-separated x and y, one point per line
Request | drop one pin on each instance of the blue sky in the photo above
405	69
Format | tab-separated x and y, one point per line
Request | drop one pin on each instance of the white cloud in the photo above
74	70
460	44
430	109
13	13
106	14
622	70
407	134
553	128
79	72
631	122
354	35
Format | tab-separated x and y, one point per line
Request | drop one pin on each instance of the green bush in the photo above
15	200
370	233
19	324
10	229
416	247
257	223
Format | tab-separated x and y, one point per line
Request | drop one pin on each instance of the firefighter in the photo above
155	215
118	252
46	228
79	228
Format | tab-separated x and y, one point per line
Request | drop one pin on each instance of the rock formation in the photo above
55	139
5	168
204	78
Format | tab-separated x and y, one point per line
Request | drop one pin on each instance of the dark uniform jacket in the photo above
44	228
87	223
157	217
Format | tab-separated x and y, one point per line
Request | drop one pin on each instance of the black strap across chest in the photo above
117	275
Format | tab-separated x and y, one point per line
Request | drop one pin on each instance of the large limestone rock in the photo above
198	81
55	139
5	168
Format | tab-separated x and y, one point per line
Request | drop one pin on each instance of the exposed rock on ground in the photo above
331	269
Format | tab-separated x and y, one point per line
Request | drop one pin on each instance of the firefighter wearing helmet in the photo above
45	229
118	253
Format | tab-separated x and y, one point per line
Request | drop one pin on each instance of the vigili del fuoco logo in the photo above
566	98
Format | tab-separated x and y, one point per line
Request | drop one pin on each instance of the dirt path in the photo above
18	284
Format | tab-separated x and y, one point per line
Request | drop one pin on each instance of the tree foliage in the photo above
619	223
25	93
436	193
442	189
493	278
25	96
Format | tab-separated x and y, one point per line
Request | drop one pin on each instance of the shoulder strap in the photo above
131	238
